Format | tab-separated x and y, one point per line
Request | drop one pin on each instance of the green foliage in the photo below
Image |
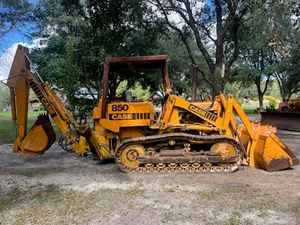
214	28
272	103
82	33
4	97
288	71
7	128
61	71
274	90
241	90
180	66
140	93
121	89
256	51
265	46
135	92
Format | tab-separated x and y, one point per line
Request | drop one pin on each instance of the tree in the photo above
81	33
215	28
288	74
286	46
180	67
266	44
257	56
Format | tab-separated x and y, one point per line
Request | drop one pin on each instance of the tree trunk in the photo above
260	95
281	89
261	101
218	80
219	88
194	84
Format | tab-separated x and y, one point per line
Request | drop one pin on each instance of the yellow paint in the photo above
35	141
80	147
224	150
125	114
130	154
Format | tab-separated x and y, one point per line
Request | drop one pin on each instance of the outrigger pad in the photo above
267	151
39	138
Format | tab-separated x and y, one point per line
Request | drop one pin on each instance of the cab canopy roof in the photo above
136	63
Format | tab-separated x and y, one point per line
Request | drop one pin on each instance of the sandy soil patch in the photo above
60	188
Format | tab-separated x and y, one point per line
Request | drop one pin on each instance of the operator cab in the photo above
118	105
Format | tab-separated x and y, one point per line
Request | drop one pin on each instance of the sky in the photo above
17	35
9	43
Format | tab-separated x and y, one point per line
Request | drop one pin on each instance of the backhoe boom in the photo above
20	80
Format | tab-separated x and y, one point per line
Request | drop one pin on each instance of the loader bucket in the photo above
39	138
266	151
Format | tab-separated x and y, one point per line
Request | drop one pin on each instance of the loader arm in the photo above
174	102
233	110
262	148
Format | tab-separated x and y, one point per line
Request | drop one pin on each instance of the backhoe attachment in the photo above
41	135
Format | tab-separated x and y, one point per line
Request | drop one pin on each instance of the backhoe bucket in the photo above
267	151
39	138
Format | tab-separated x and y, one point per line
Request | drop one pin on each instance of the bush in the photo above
273	103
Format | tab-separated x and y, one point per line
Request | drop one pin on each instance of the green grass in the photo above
8	127
17	196
250	109
52	205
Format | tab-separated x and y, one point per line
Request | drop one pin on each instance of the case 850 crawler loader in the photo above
184	136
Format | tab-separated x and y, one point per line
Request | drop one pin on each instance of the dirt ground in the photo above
59	188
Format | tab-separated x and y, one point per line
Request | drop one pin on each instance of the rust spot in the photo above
278	164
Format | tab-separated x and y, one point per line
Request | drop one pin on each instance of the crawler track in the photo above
194	162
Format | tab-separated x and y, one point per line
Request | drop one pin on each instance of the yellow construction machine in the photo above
184	136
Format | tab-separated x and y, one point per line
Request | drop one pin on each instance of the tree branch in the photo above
220	34
184	40
266	84
192	24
